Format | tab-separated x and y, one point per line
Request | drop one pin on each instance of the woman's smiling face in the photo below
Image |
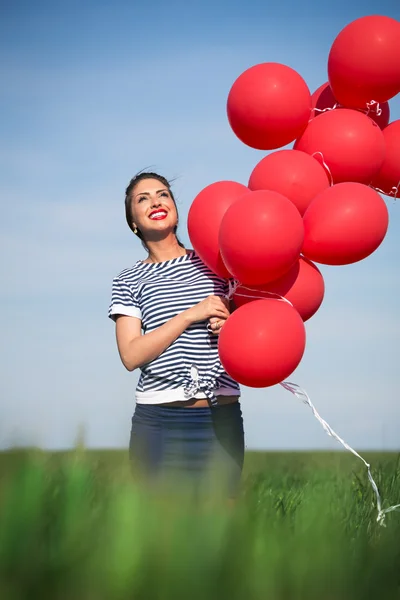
153	208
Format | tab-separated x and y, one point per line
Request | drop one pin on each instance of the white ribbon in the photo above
327	169
372	107
235	284
394	191
271	294
303	396
377	110
322	110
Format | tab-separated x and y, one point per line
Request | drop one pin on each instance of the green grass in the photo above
75	526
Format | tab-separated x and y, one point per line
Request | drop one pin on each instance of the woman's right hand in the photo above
212	306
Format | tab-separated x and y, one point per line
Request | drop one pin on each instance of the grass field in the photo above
75	526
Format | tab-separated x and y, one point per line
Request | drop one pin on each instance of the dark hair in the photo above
128	201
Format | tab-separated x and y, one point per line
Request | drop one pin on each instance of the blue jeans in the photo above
189	442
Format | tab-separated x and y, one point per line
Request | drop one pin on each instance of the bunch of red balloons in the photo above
315	203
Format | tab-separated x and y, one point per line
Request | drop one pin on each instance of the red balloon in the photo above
350	143
261	236
364	61
323	99
204	220
344	224
387	180
303	286
269	106
262	343
293	174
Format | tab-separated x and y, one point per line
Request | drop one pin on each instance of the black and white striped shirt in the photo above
156	292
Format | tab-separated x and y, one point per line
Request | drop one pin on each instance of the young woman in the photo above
169	309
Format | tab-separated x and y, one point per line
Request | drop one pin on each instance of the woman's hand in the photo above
212	307
215	325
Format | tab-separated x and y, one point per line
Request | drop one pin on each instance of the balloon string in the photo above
377	110
372	107
322	110
393	192
327	169
272	294
303	396
233	286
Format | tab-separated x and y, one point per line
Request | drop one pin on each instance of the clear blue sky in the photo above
90	94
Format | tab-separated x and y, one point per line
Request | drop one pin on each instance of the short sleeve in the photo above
123	300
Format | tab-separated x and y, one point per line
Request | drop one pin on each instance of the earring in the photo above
135	230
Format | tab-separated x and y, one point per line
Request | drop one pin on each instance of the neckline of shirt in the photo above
171	261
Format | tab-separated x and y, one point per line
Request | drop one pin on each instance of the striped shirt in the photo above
155	293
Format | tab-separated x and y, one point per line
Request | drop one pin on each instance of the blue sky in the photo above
90	95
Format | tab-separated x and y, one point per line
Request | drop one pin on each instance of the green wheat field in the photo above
76	525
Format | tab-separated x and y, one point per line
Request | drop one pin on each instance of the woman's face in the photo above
153	208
